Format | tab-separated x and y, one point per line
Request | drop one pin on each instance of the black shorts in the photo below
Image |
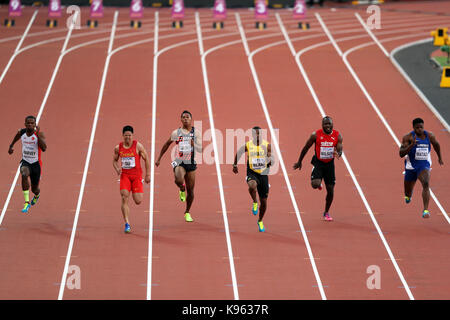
323	170
35	171
262	182
187	166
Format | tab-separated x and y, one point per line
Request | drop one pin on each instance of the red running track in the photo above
191	261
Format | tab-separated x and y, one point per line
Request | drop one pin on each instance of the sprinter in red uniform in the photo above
130	152
328	146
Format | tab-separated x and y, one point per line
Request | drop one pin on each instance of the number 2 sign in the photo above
299	9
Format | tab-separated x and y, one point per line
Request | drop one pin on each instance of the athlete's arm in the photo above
407	145
308	144
237	156
436	147
164	149
15	139
41	139
116	159
339	147
143	154
198	141
269	155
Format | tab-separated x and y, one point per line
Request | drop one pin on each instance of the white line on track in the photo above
203	56
283	168
16	52
355	181
88	157
38	117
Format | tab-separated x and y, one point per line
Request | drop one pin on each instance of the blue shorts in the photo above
411	175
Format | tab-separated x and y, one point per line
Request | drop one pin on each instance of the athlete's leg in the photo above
315	183
409	187
330	196
25	172
137	197
180	174
263	208
424	178
125	194
190	184
252	188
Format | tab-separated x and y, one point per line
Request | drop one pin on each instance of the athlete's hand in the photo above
37	129
297	165
441	162
336	154
10	150
147	178
119	171
157	163
235	169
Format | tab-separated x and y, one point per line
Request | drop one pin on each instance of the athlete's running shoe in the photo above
327	217
426	214
407	199
261	227
26	207
255	208
183	194
35	199
188	217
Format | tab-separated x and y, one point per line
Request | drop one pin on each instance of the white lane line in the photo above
380	114
327	32
413	85
217	162
18	46
88	157
152	161
38	117
371	34
199	33
349	169
241	31
286	178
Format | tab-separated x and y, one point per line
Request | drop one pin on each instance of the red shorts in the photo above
132	183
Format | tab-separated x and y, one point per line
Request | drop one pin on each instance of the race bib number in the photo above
185	146
128	162
421	154
326	152
258	163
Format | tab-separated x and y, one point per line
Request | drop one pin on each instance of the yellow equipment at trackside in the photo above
440	36
445	80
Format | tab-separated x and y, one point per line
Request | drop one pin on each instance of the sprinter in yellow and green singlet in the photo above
259	160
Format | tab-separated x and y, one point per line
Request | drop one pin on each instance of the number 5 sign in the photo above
178	9
299	9
15	8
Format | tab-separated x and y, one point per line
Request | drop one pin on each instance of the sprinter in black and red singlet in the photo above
328	146
188	140
33	142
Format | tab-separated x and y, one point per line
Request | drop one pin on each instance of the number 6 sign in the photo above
136	9
15	8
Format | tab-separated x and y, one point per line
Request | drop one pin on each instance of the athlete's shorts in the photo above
262	182
187	166
132	183
323	170
35	171
412	174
